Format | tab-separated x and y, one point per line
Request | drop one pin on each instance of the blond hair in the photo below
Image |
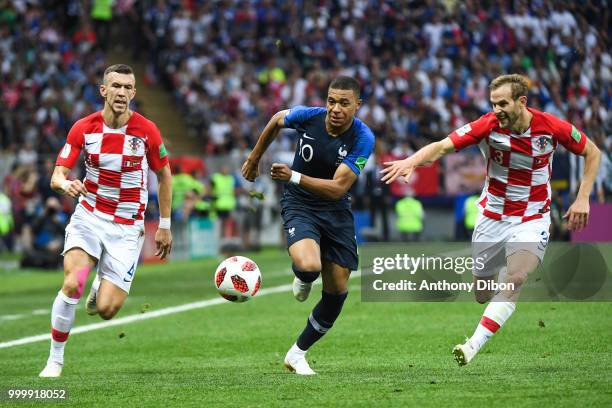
518	83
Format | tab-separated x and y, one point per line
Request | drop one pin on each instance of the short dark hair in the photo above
119	68
346	82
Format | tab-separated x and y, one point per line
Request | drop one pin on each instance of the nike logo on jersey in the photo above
308	137
89	144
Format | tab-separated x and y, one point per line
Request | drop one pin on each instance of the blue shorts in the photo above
333	230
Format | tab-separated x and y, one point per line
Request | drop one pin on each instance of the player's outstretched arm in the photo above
61	184
163	236
425	155
578	213
333	189
250	168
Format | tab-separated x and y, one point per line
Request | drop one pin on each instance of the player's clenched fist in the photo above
250	169
280	172
74	188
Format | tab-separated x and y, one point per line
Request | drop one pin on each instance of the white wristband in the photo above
164	223
65	185
296	176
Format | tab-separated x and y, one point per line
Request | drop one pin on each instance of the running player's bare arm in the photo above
250	168
61	184
425	155
578	214
333	189
163	236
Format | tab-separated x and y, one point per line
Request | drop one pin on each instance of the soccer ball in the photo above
237	279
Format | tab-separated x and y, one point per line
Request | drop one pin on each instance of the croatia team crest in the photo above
541	143
134	144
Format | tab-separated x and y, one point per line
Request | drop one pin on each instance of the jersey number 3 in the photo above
305	151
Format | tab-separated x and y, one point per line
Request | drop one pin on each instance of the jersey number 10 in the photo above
305	150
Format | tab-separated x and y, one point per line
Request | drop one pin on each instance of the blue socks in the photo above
321	319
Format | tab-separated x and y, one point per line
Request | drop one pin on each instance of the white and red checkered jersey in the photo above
519	167
116	164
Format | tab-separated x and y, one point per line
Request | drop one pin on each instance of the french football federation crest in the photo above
134	144
342	152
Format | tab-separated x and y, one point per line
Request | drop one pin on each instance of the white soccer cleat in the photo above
464	353
298	365
301	289
91	305
295	361
51	370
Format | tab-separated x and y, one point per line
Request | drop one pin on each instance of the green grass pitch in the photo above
377	354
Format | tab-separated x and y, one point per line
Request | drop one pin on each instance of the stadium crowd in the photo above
424	67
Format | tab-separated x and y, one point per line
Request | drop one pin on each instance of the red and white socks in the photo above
62	319
495	315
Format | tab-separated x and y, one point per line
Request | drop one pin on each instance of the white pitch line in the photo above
138	317
37	312
141	316
150	315
42	312
12	317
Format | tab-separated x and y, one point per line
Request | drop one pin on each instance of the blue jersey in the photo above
318	154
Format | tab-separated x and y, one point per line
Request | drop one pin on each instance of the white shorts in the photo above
493	241
115	246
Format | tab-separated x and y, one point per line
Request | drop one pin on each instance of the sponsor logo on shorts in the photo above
291	232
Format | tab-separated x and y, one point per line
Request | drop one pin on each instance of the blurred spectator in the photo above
224	188
6	223
470	214
21	185
44	182
377	195
48	237
251	209
101	15
410	216
186	192
558	226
